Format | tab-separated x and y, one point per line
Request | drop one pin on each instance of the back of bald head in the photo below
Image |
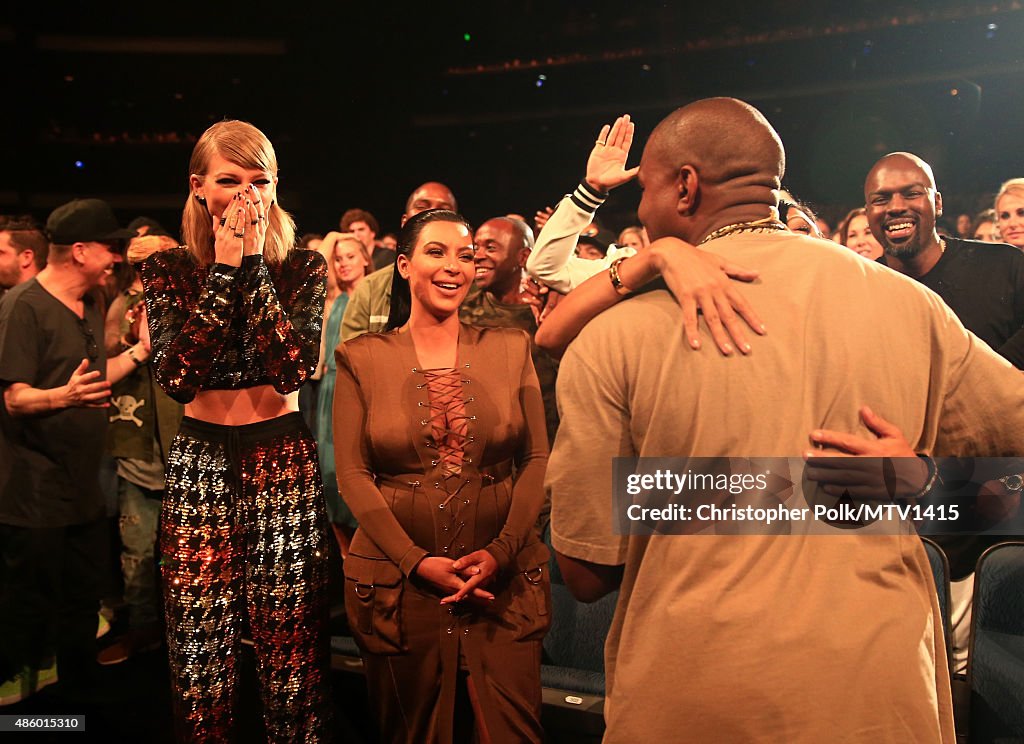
903	160
728	141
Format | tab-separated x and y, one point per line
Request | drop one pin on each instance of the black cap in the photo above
85	221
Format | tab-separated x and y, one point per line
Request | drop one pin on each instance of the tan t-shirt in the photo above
774	638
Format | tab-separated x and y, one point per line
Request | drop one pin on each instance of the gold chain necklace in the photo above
766	224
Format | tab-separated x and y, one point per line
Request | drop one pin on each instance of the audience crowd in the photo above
87	426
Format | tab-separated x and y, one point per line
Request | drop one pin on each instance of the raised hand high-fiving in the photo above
606	166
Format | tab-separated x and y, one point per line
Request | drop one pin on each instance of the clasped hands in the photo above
461	578
241	229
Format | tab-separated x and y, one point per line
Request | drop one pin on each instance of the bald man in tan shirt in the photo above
793	638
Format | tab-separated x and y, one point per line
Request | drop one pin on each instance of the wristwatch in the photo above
131	355
1013	482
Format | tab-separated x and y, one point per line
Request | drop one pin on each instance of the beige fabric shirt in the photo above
774	638
369	306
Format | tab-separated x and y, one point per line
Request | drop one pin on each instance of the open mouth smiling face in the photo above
440	269
902	205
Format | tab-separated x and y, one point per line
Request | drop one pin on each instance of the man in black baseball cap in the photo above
85	221
86	237
53	422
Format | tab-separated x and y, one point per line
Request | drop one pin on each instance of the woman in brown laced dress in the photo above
441	450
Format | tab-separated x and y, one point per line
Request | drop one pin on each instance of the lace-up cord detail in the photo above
448	419
449	437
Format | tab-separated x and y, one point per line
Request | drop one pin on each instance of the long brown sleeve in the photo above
355	478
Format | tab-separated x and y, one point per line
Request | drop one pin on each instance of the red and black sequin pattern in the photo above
221	327
243	535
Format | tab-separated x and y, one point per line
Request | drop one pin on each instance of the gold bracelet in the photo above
613	274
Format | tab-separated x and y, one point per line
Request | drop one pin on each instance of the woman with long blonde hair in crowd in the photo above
348	261
1010	212
235	317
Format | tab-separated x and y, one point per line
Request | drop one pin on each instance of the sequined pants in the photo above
243	538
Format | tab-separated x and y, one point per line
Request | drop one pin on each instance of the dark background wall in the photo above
365	101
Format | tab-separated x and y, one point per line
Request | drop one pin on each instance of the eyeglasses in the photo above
91	349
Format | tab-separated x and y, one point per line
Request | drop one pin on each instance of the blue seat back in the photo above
940	570
995	666
578	630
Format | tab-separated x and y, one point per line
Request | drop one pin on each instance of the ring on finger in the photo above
602	144
255	222
239	234
223	220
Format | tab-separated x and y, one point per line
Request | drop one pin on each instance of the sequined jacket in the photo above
225	328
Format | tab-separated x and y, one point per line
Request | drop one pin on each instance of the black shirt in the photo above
983	283
49	463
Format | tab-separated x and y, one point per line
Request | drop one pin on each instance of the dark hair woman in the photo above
441	449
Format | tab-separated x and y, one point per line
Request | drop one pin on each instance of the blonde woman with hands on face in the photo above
235	318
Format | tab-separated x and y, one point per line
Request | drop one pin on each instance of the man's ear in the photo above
938	204
688	187
26	258
523	256
78	251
